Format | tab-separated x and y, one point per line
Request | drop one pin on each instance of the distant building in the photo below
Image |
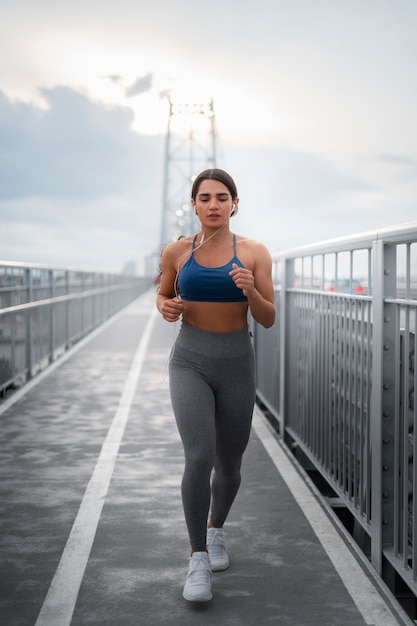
130	268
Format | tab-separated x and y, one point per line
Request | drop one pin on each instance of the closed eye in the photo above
220	197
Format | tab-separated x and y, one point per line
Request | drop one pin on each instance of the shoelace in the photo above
200	571
217	546
217	550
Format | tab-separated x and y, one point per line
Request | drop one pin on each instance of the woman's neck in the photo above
214	238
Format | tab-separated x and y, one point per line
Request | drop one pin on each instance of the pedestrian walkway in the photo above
92	528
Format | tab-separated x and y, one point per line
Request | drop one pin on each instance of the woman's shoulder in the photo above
244	243
252	253
179	246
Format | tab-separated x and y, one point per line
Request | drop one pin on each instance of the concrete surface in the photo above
92	529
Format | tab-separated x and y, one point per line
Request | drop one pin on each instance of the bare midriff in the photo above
217	317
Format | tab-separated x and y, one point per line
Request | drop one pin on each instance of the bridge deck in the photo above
91	516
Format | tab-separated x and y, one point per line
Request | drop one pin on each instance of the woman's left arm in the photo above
257	286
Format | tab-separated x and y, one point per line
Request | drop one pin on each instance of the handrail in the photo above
393	234
337	374
35	330
65	298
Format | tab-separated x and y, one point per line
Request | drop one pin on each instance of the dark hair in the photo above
220	175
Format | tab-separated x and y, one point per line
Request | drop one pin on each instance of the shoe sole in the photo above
198	599
219	568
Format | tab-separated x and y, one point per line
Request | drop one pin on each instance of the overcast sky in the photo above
315	104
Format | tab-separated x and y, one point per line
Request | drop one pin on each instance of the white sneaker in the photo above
197	586
216	546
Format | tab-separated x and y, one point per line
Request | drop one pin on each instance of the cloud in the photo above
141	85
114	78
405	166
73	148
292	178
99	236
397	159
290	198
78	186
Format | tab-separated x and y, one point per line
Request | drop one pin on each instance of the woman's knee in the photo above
228	470
199	465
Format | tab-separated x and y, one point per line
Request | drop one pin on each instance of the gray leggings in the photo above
212	384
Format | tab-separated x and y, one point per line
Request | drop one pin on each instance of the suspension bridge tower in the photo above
190	148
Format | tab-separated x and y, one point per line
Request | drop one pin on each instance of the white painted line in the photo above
61	598
371	605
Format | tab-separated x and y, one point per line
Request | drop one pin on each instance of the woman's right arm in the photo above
167	303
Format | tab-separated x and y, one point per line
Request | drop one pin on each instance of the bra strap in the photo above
192	249
234	242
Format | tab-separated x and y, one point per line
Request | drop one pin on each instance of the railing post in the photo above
28	322
382	416
82	304
93	304
67	310
51	318
287	281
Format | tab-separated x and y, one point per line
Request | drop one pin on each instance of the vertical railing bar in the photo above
314	377
414	443
352	396
93	304
308	397
348	396
370	276
13	326
365	476
398	462
28	322
343	391
354	402
404	392
326	384
336	271
368	448
82	305
339	414
402	389
67	311
301	363
375	418
327	389
286	343
307	384
321	377
408	272
359	406
334	408
312	273
51	318
348	381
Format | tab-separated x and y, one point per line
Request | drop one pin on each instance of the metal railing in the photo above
338	374
44	311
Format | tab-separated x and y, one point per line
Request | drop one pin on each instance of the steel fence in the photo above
338	375
44	311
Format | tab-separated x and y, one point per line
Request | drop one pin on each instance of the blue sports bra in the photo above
198	283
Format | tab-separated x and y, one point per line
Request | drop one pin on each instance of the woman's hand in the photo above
243	279
171	309
258	288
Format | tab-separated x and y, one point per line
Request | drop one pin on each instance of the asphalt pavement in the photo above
92	528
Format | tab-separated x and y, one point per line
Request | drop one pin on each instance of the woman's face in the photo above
214	203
